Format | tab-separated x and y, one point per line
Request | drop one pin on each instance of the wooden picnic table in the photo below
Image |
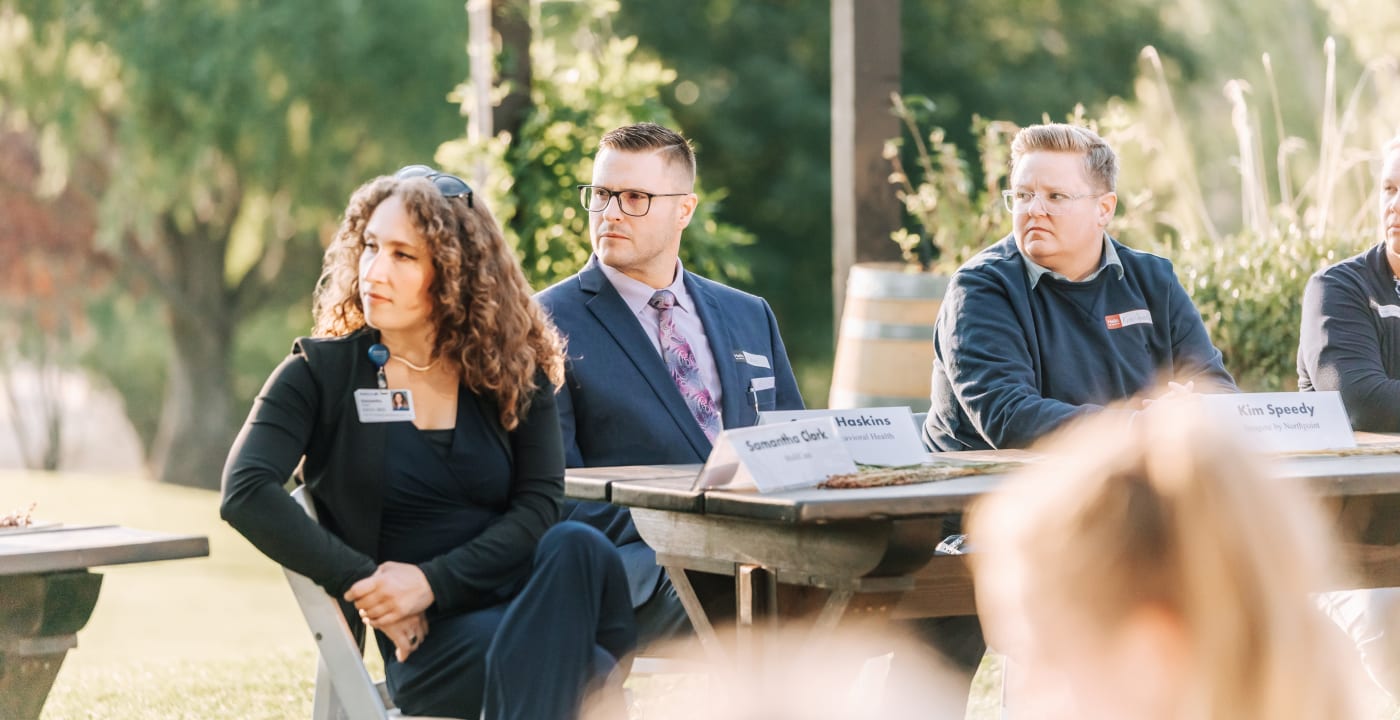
869	551
47	594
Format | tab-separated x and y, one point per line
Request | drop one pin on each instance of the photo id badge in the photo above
377	406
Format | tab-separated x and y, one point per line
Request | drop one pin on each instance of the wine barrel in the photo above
884	350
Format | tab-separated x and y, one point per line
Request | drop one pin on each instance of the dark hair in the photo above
643	137
487	321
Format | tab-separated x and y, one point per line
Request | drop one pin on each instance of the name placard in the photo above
874	436
1286	422
776	457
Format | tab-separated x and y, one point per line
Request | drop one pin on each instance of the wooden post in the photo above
865	69
481	53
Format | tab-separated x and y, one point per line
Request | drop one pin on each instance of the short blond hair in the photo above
1169	511
1100	162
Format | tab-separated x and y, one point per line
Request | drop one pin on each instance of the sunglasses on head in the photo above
450	186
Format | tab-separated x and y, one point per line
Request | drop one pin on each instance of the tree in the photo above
230	136
752	88
583	80
47	270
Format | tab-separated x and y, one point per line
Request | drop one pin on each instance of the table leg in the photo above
833	609
756	593
699	619
40	616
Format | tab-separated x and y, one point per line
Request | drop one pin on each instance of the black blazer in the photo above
306	414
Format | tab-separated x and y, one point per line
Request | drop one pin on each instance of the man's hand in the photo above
1174	391
394	592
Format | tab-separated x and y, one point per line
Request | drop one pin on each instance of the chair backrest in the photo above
353	694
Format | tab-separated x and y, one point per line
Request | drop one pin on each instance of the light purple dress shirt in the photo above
636	294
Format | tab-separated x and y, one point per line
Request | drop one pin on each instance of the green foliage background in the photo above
241	128
753	89
587	80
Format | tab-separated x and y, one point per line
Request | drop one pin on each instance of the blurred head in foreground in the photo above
1152	569
857	671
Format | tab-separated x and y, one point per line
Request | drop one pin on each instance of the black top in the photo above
441	440
1350	338
306	414
428	509
1013	362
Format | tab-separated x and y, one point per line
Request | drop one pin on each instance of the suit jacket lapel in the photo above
732	396
619	322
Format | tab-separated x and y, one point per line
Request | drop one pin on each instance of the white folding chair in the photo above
344	689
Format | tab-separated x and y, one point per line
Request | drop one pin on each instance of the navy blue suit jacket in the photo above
619	405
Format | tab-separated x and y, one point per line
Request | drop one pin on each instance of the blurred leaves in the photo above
220	141
1248	288
753	89
1300	203
586	82
957	218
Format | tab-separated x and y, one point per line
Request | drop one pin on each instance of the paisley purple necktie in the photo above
685	371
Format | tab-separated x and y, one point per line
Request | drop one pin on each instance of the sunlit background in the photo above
170	171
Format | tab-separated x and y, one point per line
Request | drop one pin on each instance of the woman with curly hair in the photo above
437	521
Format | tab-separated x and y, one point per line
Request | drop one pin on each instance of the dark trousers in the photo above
535	656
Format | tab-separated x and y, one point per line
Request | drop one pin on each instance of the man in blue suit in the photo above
659	359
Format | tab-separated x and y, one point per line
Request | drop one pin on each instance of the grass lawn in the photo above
215	637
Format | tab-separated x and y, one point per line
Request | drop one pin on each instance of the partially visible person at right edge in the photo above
1350	343
1154	570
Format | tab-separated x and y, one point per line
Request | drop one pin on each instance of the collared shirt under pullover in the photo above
1015	360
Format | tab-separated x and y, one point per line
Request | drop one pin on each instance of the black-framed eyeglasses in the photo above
631	202
450	186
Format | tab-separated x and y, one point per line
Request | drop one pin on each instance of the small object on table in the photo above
18	518
870	477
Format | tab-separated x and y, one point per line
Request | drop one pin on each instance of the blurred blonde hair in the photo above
1168	511
486	319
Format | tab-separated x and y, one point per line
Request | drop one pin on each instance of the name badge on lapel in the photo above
752	359
381	405
1132	317
1388	311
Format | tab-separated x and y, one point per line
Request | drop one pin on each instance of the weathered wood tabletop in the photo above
55	548
873	547
47	594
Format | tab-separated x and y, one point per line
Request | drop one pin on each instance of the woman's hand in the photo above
394	592
407	635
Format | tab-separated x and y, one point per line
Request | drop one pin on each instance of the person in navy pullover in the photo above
1058	319
1053	322
1350	342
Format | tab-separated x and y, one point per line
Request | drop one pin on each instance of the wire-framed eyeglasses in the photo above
631	202
1020	202
450	186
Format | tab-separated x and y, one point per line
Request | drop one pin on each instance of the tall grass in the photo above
1300	204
